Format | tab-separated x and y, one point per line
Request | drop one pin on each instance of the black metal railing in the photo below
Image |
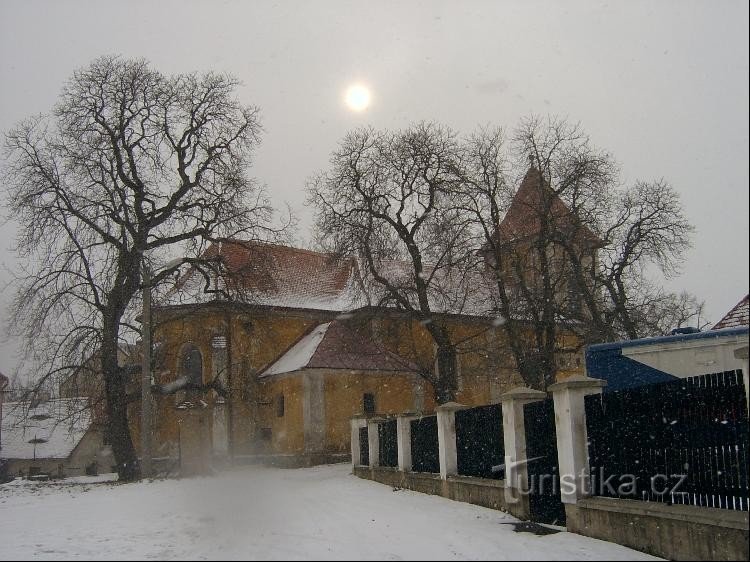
424	445
682	442
388	443
480	446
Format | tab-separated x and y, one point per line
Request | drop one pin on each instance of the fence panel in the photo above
424	445
683	442
479	442
364	447
543	468
388	443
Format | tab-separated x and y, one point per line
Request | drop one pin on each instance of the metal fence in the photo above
682	442
424	445
388	444
479	442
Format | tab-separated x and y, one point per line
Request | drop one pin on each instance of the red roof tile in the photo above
276	275
738	316
339	344
281	276
523	218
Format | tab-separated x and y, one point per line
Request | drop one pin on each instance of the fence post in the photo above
446	426
742	353
356	424
572	441
514	436
403	439
373	440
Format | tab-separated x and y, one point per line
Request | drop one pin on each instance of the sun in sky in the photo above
357	97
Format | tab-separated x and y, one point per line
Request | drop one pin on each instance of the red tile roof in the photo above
276	275
340	344
738	316
281	276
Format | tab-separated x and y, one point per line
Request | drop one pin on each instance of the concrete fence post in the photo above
742	354
403	439
373	439
446	425
356	424
514	437
572	440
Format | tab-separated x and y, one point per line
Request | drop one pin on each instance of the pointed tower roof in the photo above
523	219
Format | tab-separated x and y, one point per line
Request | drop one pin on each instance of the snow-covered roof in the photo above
274	275
738	316
299	355
451	291
286	277
50	430
339	344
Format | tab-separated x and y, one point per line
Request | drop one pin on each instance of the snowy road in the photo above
260	513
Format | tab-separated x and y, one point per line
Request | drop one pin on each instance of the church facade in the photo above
279	375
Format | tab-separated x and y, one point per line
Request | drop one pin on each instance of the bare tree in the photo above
130	168
646	229
569	250
517	231
387	200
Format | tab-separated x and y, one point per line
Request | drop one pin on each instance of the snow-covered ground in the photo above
268	514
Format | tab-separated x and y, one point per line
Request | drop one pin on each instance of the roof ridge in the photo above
283	246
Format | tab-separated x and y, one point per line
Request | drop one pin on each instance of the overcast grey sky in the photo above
661	85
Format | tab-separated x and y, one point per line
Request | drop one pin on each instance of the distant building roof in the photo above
338	345
738	316
50	430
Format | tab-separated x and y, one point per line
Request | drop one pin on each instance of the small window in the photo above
280	406
265	434
368	401
191	366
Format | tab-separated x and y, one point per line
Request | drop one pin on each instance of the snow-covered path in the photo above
261	513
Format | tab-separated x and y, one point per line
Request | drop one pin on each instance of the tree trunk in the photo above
446	379
118	429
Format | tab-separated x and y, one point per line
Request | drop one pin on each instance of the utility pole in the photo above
3	383
146	375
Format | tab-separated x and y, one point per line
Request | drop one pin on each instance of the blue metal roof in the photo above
725	332
605	361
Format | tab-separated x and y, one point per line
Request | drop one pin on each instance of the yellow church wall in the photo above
255	339
485	367
344	391
258	337
287	431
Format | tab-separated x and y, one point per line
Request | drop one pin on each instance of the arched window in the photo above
191	365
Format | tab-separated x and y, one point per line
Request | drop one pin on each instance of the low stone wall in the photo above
477	491
480	491
675	532
293	460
